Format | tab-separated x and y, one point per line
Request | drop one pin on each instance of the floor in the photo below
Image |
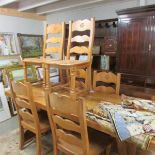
8	125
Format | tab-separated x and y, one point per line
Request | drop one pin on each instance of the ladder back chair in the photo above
67	118
54	35
80	41
111	82
29	118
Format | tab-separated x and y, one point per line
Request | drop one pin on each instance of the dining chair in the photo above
80	42
29	118
67	118
54	35
106	82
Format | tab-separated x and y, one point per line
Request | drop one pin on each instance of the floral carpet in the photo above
9	145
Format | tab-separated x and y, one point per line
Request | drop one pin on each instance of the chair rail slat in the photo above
70	138
80	39
66	124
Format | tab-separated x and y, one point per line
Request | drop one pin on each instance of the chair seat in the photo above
97	143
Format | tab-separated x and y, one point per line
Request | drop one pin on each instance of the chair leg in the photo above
56	152
108	149
21	132
38	144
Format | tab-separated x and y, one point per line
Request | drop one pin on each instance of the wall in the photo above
101	11
20	25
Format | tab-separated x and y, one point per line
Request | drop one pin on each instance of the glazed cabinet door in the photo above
133	37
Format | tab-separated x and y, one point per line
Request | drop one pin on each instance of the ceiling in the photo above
43	7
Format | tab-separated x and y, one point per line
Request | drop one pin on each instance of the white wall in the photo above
101	11
20	25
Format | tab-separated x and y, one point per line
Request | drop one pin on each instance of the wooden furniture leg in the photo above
47	76
44	75
73	78
38	144
25	72
122	148
21	132
89	82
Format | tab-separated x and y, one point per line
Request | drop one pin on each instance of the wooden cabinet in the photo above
136	45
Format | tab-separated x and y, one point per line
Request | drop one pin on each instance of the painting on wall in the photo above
105	62
30	45
7	44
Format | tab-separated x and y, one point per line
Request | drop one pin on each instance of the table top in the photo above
91	100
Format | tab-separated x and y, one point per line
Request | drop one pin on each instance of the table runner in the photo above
101	112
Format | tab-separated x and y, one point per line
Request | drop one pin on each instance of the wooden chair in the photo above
53	43
110	80
80	41
29	118
69	127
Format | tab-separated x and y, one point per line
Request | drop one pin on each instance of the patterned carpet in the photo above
9	145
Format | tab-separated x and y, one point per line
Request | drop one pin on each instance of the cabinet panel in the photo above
151	70
133	45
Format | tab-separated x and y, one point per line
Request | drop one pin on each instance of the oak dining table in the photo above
92	99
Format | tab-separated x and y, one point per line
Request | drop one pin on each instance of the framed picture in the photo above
17	73
30	45
53	72
7	44
96	50
105	63
4	108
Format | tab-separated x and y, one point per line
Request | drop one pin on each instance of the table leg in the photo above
122	148
25	72
89	79
73	79
44	75
47	76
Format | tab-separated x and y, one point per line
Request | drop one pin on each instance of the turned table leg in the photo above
89	79
47	76
25	72
73	78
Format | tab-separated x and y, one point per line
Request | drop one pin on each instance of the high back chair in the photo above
80	41
28	116
69	126
54	35
110	81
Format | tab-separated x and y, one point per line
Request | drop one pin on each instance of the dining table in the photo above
92	100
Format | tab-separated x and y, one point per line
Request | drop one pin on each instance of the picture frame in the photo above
96	50
30	45
105	62
4	107
53	72
17	73
7	44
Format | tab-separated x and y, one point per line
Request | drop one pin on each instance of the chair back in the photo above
80	33
54	39
68	122
26	108
107	82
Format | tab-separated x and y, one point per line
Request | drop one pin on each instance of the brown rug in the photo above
9	145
